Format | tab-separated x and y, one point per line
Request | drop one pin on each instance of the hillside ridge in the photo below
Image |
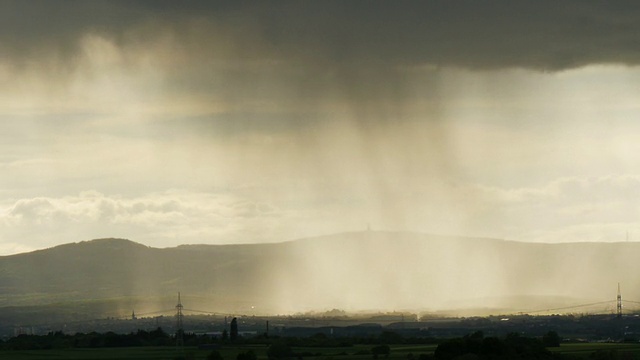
352	271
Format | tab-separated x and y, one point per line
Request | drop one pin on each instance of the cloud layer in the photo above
544	35
568	209
160	219
289	119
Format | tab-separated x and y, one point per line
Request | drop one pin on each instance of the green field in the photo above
585	350
228	353
581	350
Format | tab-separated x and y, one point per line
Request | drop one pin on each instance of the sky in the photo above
225	122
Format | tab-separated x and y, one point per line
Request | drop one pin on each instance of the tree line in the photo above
472	346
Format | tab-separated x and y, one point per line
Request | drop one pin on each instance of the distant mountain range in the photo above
351	271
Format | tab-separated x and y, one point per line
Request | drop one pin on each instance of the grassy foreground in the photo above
227	352
587	350
579	351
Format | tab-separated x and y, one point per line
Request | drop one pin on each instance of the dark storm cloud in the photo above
542	35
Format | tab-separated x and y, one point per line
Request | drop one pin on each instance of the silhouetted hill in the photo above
362	270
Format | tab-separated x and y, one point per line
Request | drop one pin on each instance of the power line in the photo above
155	312
567	307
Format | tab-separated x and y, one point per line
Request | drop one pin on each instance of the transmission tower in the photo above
179	331
619	304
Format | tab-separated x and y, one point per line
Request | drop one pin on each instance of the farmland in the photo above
405	351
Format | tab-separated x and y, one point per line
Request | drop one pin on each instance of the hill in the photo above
352	271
